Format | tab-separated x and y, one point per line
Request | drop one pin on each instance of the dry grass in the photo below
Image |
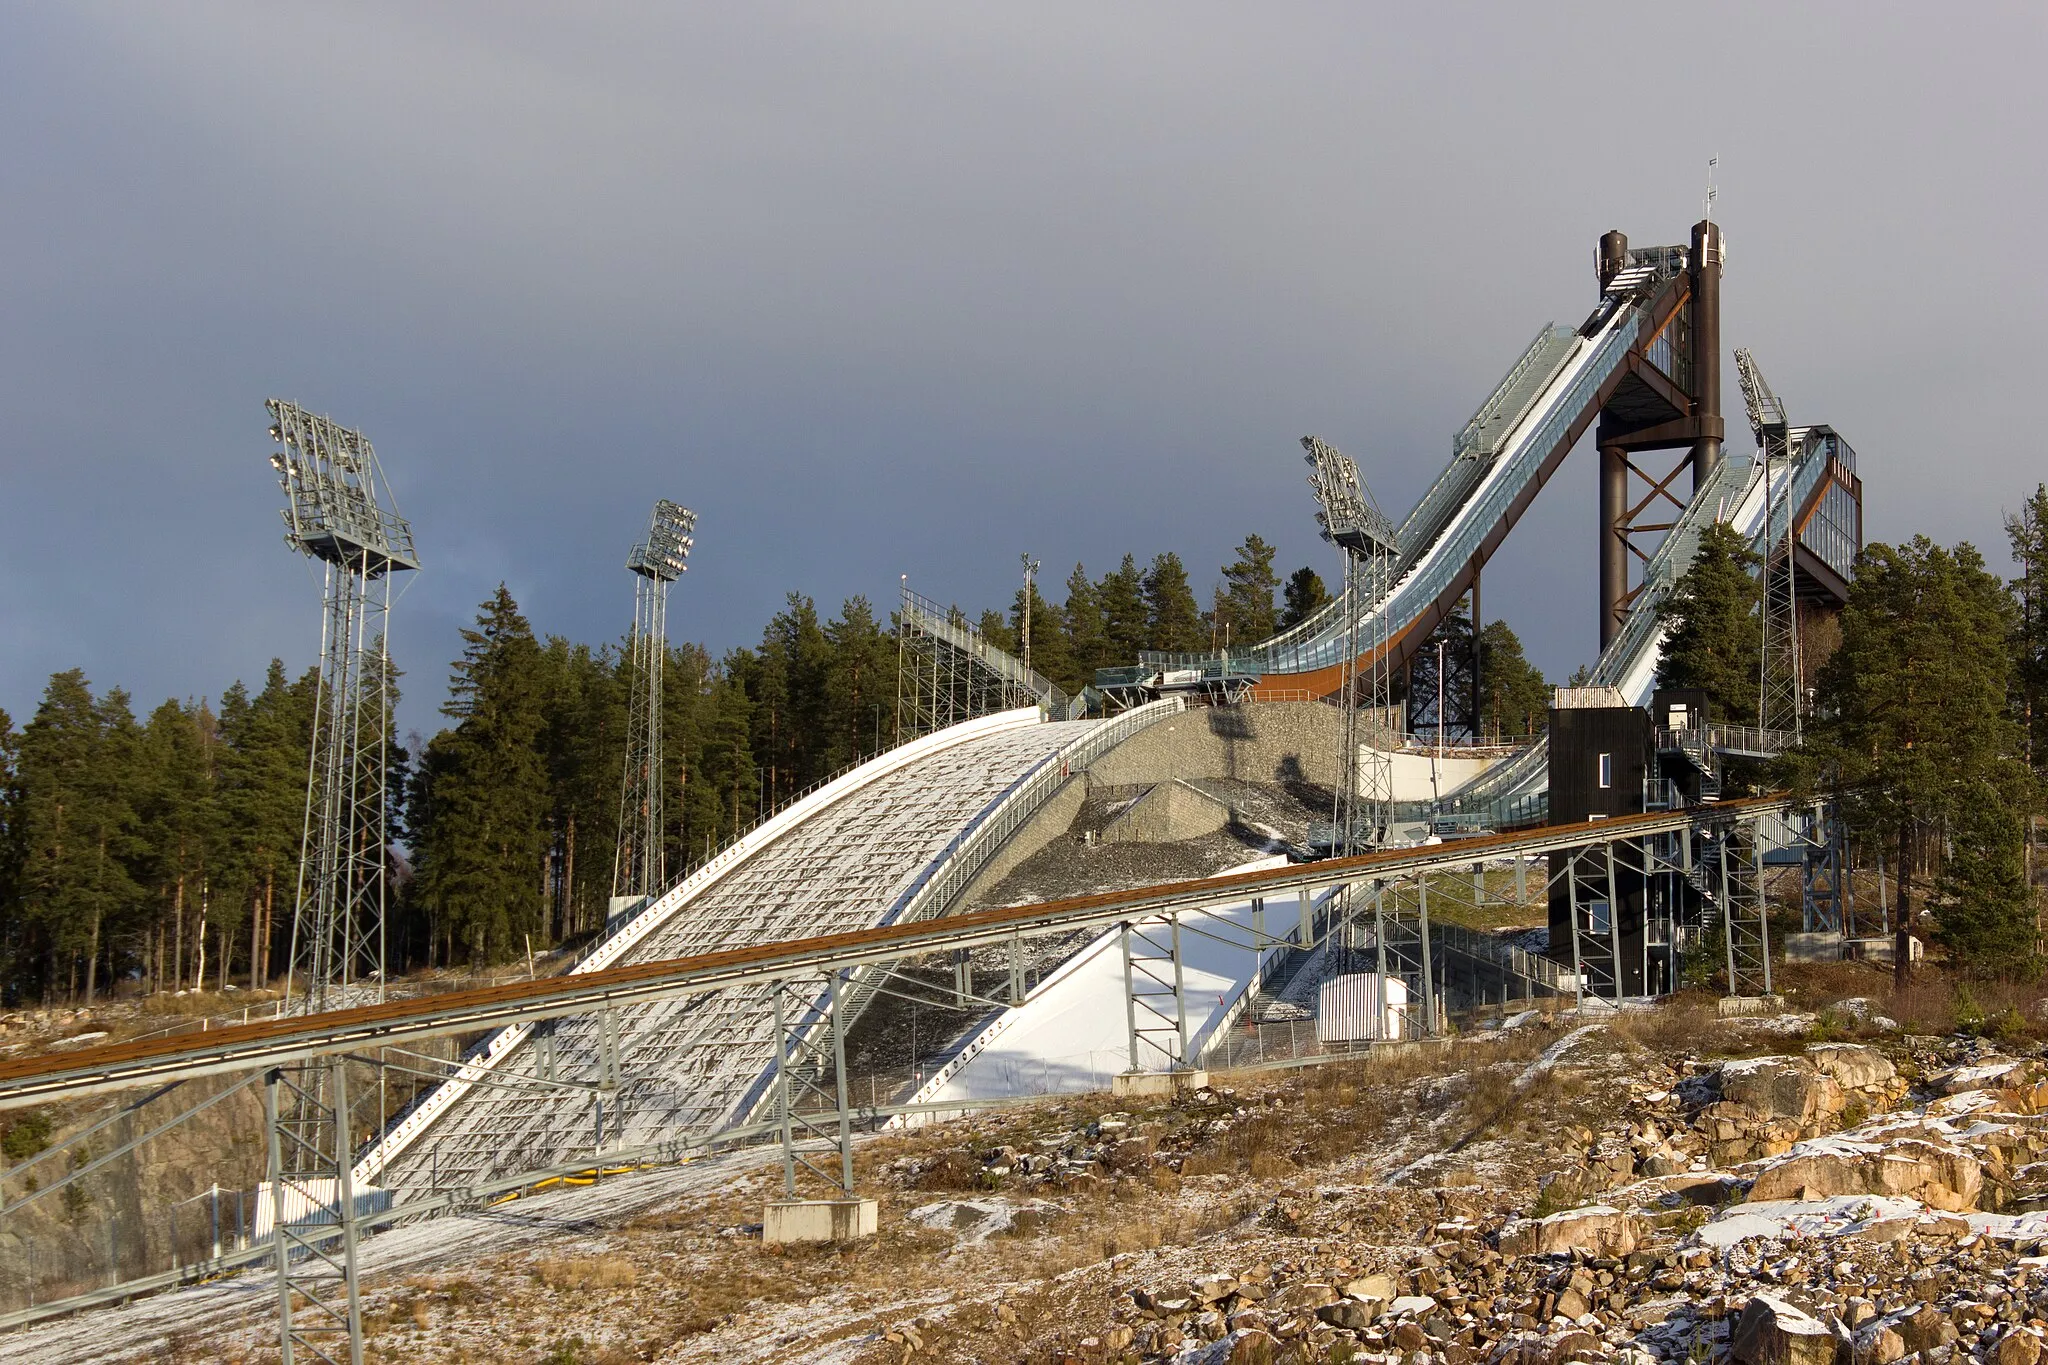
576	1273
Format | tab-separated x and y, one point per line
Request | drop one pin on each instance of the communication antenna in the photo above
1707	209
640	864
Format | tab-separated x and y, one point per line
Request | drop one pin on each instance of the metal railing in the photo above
937	621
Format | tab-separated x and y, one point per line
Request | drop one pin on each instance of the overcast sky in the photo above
886	289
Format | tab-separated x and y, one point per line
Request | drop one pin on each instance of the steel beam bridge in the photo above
294	1039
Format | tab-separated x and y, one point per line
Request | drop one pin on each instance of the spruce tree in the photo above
1514	700
2028	531
1246	604
181	829
1050	656
860	685
1087	638
1914	735
726	796
1305	596
1173	620
1126	623
1713	640
484	792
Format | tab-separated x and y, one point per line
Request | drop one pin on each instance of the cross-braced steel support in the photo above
1745	917
313	1213
1823	872
1155	995
810	1083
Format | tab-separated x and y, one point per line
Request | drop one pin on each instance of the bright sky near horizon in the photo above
911	288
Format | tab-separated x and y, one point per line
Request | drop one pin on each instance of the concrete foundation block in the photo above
818	1220
1743	1006
1814	948
1156	1084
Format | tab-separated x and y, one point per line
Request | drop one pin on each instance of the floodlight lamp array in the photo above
330	479
665	553
1348	518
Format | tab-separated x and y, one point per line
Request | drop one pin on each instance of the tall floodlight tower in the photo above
640	869
1364	805
339	511
1780	689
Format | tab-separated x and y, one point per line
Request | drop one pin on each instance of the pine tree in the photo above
1305	596
180	827
1173	620
726	797
1711	618
1514	699
1087	637
860	684
262	801
1914	735
1050	656
1126	622
994	627
786	683
1245	614
484	792
583	741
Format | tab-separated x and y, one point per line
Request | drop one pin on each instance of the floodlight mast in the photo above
640	866
339	511
1362	811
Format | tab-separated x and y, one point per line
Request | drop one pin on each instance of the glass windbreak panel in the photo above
1830	532
1671	349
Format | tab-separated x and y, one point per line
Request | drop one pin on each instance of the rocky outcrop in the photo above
1593	1231
1772	1331
1938	1175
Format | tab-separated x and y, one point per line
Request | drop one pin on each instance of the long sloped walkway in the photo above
696	1065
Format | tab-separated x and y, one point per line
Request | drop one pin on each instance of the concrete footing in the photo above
1154	1084
1741	1006
818	1220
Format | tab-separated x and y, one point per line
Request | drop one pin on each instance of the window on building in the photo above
1606	771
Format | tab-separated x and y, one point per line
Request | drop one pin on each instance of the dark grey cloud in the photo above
911	288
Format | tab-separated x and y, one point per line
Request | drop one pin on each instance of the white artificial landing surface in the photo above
1072	1035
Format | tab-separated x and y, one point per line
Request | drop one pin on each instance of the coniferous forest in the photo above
159	851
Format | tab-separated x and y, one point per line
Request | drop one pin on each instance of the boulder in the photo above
1597	1230
1772	1331
2019	1347
1939	1176
1380	1287
1878	1343
1785	1087
1854	1067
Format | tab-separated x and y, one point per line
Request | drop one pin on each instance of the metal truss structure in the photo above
796	1003
1363	806
1781	686
1155	994
338	511
1826	901
946	673
639	866
313	1206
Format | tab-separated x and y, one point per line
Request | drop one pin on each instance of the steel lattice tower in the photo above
639	869
1364	805
339	510
1779	685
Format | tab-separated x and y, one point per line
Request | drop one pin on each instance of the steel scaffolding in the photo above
946	672
1780	684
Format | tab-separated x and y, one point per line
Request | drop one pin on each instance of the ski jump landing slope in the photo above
853	855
